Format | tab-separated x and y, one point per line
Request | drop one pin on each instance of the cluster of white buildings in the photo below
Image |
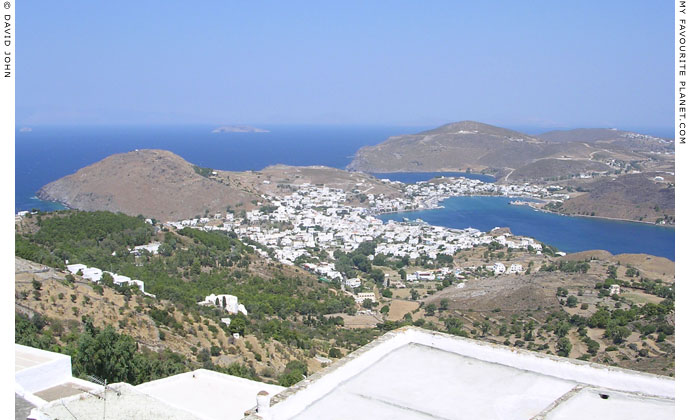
96	274
500	268
425	195
314	219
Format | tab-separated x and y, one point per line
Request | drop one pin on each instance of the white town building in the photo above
228	302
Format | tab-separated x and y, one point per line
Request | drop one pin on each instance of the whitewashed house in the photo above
361	297
353	283
498	268
228	302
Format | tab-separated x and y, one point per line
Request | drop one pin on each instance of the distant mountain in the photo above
507	153
452	147
238	129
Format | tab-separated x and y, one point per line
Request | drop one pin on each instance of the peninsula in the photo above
605	172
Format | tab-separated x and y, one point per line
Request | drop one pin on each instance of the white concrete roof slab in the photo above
417	381
123	402
209	395
25	360
411	373
589	404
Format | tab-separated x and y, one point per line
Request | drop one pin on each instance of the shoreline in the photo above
531	205
600	217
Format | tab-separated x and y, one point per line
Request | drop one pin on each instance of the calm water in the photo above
569	234
48	153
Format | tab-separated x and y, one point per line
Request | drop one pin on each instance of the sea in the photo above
567	233
47	153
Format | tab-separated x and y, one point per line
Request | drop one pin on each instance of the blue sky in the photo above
517	64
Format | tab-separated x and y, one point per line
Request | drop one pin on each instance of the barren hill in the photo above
154	183
162	185
631	197
478	146
611	137
451	147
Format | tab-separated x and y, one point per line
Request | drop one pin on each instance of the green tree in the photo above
592	346
294	372
563	346
617	333
105	354
377	275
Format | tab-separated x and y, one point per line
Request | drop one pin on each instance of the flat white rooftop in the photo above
122	402
209	395
26	357
42	376
417	374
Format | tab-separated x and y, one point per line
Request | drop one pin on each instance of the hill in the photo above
632	197
451	147
286	304
154	183
482	147
162	185
611	137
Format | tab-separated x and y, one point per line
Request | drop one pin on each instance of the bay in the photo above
567	233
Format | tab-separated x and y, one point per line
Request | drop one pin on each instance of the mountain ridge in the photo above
482	147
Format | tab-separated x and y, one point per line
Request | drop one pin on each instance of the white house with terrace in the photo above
95	275
229	303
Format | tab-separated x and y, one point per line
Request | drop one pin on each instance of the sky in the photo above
516	64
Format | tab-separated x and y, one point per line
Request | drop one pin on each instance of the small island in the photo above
239	129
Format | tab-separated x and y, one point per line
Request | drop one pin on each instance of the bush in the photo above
294	372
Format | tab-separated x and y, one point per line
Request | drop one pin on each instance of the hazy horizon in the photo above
664	132
547	66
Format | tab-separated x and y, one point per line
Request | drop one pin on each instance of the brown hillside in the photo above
631	197
154	183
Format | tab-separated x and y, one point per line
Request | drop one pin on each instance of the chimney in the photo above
263	404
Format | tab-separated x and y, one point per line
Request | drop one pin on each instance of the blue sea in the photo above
51	152
567	233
